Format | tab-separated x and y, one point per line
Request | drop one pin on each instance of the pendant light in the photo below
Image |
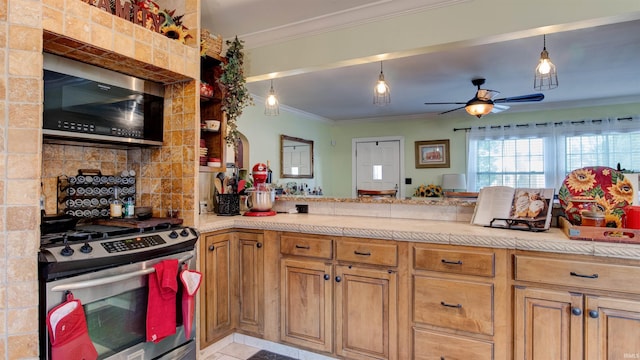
381	92
546	77
271	105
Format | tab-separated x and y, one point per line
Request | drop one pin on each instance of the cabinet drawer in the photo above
452	261
581	274
428	345
453	304
317	247
368	251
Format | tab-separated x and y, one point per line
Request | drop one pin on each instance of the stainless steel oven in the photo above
112	283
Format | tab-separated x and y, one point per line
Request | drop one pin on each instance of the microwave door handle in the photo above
109	279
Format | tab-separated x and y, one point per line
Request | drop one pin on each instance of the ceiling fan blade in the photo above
521	98
445	103
499	108
448	111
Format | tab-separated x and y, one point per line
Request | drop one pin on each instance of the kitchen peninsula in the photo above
378	286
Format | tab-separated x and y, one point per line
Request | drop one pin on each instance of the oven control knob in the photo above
173	234
66	251
86	248
184	233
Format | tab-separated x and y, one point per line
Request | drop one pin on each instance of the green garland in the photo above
236	95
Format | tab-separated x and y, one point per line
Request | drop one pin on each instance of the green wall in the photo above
333	162
263	133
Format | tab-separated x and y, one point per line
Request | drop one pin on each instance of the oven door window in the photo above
117	322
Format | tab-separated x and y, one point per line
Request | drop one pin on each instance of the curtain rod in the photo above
574	122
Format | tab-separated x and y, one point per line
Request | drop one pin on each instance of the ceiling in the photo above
596	65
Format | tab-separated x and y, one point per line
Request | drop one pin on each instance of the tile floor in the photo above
242	347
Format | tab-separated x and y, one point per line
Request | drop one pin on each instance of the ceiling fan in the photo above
483	103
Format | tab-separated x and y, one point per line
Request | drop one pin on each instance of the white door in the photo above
378	164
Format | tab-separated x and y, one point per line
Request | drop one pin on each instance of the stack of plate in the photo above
203	156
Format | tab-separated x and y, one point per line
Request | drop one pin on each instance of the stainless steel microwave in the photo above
87	103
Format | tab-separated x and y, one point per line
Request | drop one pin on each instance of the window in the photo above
541	155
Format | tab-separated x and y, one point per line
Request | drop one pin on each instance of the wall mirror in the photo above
296	158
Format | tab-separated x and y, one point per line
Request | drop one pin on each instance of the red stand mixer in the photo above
261	195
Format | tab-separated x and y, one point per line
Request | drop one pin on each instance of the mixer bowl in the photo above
260	200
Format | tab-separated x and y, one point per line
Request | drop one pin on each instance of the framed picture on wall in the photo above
432	154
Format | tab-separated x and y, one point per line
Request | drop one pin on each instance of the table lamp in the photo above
453	182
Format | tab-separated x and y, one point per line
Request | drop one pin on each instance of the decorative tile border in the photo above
514	240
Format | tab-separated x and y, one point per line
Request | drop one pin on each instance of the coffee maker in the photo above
261	196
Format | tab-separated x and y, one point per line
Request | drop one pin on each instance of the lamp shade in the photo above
454	182
478	107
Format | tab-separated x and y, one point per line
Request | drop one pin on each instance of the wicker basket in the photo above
212	42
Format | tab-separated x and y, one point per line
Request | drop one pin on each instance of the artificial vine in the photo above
235	94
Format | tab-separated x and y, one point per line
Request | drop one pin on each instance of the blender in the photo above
261	196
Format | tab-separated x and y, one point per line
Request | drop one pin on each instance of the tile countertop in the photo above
429	231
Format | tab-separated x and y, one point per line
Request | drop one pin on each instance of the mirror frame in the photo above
284	138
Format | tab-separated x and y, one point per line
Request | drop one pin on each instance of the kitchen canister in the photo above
228	204
632	216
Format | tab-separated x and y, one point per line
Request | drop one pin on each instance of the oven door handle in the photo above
109	279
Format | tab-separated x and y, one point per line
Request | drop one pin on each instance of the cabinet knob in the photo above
594	314
327	277
576	311
338	279
211	247
259	245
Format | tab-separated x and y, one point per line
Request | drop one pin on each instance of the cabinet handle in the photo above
594	314
594	276
211	247
338	279
327	277
457	306
259	245
303	247
445	261
576	311
362	253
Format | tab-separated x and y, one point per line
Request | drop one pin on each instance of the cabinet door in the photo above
217	309
251	265
548	325
612	329
306	308
366	313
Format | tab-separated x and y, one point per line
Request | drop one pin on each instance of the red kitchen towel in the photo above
161	308
68	332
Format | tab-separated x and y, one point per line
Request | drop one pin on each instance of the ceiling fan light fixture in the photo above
478	108
546	76
381	92
271	104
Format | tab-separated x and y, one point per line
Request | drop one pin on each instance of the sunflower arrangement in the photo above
428	191
172	26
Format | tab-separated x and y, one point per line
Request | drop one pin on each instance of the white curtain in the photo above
555	135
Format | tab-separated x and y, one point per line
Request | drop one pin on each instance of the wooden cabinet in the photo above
350	300
306	304
217	289
251	281
366	313
232	290
575	309
460	303
210	109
